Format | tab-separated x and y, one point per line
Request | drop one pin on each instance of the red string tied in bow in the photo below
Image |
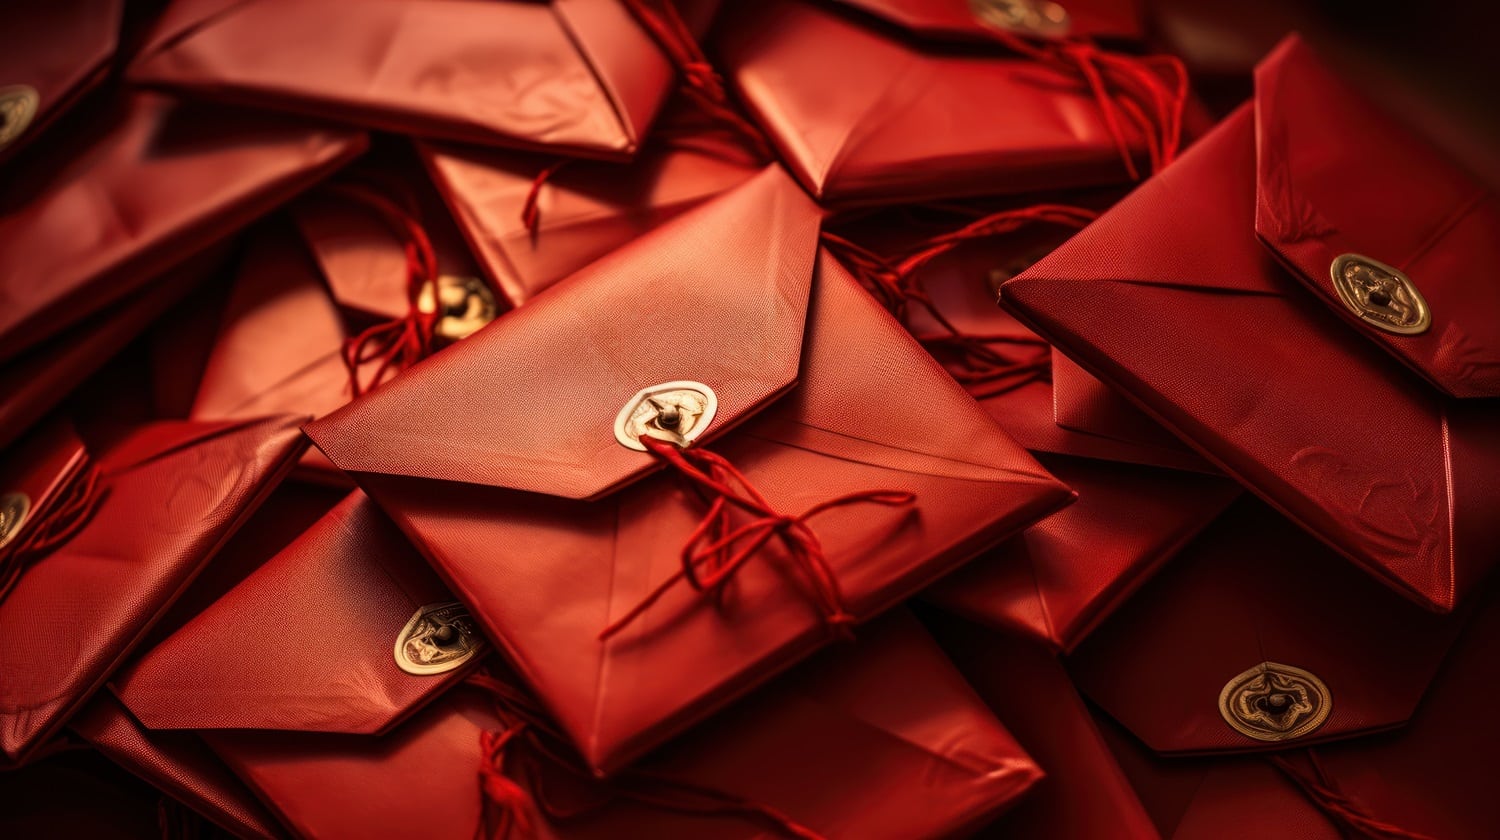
1349	814
717	548
510	809
978	361
46	531
700	83
401	342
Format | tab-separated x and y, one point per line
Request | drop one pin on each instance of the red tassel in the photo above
402	342
64	517
1349	814
700	83
716	550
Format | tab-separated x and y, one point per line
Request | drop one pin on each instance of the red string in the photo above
716	549
1320	789
531	214
979	362
401	342
64	517
509	808
176	822
1149	92
700	83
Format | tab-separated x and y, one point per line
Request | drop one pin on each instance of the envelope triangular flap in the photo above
717	296
304	643
1337	175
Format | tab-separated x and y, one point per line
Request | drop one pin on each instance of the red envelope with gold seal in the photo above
151	184
101	536
526	463
532	221
1259	640
887	101
1346	423
574	76
799	760
55	54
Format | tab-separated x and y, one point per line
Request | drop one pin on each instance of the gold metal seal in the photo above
1033	18
14	509
18	104
467	305
439	638
677	412
1275	702
1380	295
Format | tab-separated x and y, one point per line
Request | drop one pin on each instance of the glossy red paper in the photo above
889	714
173	492
158	182
861	114
576	76
587	208
964	19
1239	359
522	455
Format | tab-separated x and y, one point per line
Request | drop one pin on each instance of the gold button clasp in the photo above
1275	702
14	510
1036	18
1380	295
677	412
439	638
465	303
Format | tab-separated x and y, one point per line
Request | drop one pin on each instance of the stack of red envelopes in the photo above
678	418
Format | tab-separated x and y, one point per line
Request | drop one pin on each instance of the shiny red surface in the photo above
549	529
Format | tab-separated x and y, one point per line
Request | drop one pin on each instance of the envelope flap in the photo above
1337	178
718	296
306	642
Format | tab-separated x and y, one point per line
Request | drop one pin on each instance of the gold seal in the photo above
439	638
1380	295
18	104
677	412
1275	702
14	509
1034	18
467	305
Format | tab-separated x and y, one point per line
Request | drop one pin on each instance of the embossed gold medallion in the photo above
1275	702
1380	295
1035	18
14	508
677	412
18	104
466	305
439	638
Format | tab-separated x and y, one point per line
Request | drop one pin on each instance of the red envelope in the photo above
1084	795
1062	576
157	183
1428	778
509	439
56	52
1083	404
37	380
576	76
1225	348
865	114
584	209
884	740
168	495
1255	594
178	763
